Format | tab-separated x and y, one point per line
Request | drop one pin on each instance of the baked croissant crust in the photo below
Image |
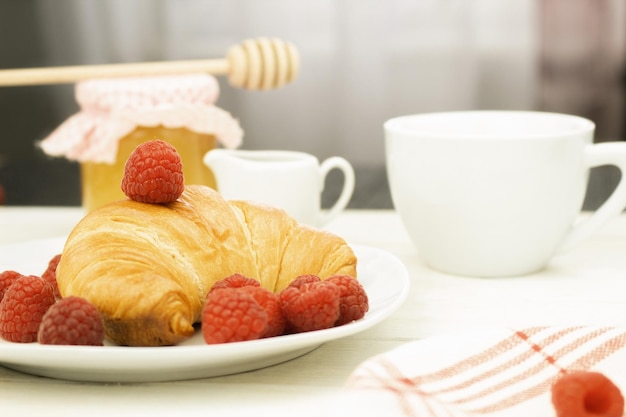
148	267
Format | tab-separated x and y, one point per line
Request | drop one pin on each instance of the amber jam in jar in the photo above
98	182
119	114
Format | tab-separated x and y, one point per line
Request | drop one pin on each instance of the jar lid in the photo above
112	108
146	92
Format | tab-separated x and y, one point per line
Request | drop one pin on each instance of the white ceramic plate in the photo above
384	277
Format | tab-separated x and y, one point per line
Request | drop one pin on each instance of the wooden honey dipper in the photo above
254	64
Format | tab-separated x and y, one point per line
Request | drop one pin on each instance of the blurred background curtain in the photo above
363	61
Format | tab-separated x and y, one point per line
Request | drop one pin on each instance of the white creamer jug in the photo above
289	180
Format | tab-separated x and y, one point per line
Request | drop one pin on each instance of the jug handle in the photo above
336	162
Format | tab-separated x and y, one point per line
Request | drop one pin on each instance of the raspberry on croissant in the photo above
149	267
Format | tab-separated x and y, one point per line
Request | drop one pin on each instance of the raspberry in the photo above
586	394
153	173
304	279
313	306
269	302
230	315
71	321
23	307
50	275
235	281
6	279
353	302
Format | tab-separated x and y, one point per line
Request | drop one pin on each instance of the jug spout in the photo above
232	169
214	159
221	160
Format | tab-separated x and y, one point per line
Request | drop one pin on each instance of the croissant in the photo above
149	267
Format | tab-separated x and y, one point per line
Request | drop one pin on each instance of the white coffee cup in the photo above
496	193
290	180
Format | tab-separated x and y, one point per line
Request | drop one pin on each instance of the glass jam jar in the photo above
118	114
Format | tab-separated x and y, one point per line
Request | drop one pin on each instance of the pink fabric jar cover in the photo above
113	108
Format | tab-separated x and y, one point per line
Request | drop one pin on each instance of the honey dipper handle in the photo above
69	74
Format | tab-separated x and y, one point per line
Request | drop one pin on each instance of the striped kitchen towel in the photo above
483	372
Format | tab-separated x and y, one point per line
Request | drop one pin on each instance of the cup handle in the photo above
346	193
606	153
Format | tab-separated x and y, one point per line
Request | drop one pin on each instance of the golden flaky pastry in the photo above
148	267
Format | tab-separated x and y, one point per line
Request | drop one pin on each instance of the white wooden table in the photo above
585	286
